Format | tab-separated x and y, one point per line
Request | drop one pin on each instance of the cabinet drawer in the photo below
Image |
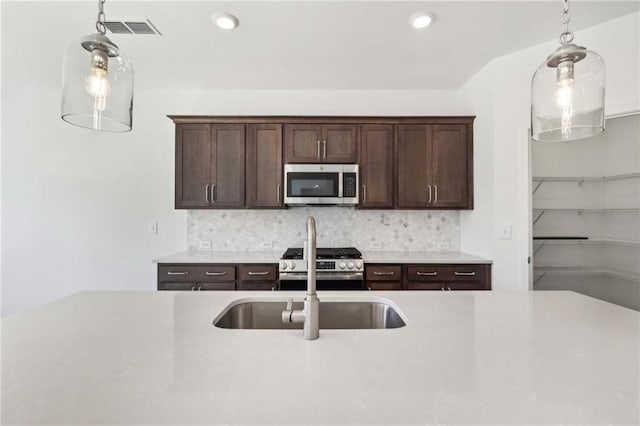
258	286
383	273
264	272
383	285
430	273
196	273
471	273
187	286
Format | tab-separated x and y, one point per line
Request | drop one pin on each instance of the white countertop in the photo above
421	257
223	256
463	357
273	256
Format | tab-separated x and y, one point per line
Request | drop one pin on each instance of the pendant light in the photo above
567	92
97	82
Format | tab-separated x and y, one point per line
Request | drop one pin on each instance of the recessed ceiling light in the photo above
225	20
422	19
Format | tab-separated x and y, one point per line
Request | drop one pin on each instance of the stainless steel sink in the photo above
333	315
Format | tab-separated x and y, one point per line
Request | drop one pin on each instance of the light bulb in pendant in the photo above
564	96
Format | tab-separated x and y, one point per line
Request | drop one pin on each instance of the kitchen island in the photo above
463	357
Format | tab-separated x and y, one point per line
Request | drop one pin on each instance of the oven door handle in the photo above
322	276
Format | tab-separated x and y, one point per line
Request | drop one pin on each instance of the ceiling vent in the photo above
132	27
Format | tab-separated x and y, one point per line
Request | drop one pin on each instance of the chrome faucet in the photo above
310	314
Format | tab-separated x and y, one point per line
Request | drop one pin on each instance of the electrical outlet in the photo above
443	245
204	245
152	228
266	245
373	245
505	232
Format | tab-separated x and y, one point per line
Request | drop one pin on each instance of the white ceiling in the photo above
293	45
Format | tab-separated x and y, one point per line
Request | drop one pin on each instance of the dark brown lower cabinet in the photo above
383	277
206	277
448	277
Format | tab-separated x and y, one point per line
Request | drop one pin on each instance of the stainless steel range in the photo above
336	269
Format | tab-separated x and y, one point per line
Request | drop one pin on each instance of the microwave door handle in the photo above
340	182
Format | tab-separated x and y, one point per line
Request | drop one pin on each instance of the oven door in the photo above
313	184
324	281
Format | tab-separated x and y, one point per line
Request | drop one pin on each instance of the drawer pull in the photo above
215	274
261	273
199	288
382	273
177	273
426	274
465	274
193	288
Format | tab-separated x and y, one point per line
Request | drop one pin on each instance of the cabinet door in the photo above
376	166
339	143
264	165
227	165
303	143
193	165
414	142
451	163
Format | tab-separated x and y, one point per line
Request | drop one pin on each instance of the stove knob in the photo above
342	265
350	265
292	265
283	265
358	265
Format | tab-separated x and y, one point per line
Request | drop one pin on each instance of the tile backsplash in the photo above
335	226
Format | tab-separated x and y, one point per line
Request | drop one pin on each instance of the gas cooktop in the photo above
325	253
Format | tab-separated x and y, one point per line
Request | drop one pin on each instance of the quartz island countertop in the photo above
463	357
273	256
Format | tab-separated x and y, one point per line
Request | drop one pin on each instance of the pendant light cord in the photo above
567	36
100	26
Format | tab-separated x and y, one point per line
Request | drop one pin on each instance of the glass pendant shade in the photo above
97	85
567	95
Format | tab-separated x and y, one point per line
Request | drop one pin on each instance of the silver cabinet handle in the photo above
369	288
214	194
206	194
426	274
442	288
324	145
429	191
364	193
273	289
464	274
435	199
382	273
449	288
199	288
177	273
215	274
278	194
261	273
318	154
193	288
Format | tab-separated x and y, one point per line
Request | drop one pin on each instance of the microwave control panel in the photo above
349	185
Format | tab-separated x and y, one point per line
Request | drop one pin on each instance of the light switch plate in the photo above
444	245
204	245
152	228
505	232
375	245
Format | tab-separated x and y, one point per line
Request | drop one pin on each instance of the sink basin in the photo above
349	314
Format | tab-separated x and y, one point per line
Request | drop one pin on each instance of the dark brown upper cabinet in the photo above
435	167
264	166
405	162
193	165
210	161
376	166
321	143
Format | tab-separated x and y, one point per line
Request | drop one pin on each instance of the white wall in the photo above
618	42
76	204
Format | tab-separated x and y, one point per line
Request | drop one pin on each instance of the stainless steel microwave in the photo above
333	184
